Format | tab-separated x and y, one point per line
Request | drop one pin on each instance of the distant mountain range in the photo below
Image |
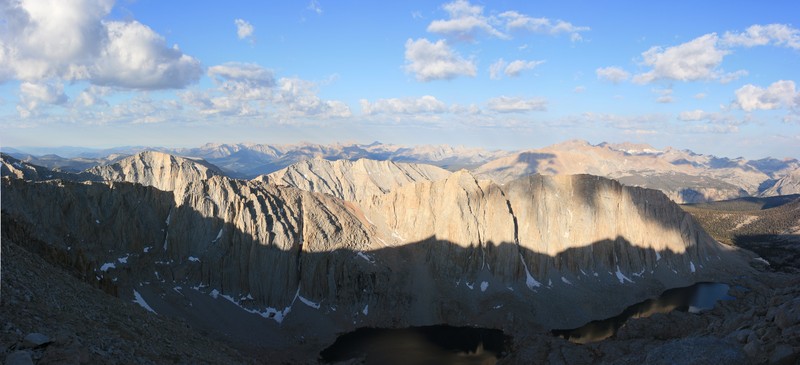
685	176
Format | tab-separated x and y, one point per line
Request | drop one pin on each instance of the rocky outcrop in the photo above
49	317
157	169
538	251
352	180
548	232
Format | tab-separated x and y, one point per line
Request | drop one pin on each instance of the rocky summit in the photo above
289	260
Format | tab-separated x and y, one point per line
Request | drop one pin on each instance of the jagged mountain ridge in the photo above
249	160
160	170
682	175
410	252
352	180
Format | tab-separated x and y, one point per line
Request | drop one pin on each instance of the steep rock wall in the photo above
352	180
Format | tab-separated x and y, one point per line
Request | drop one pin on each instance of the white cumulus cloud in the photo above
612	73
299	98
136	57
243	80
425	104
69	40
246	89
781	94
698	59
33	95
506	104
243	28
435	61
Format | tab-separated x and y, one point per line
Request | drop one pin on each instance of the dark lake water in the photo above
695	298
444	344
440	344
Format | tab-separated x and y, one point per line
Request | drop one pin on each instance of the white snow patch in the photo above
219	235
470	286
583	272
658	256
147	249
566	281
268	313
124	260
595	274
691	266
529	279
97	221
365	310
498	306
366	257
308	302
108	265
169	216
157	276
622	276
484	286
194	259
178	289
137	298
761	260
230	299
549	282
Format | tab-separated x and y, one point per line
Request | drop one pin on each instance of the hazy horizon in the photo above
718	79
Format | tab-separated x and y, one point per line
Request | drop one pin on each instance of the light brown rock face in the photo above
684	176
579	223
352	180
157	169
787	185
539	250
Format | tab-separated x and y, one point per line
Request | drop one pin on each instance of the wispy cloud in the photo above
506	104
244	29
613	74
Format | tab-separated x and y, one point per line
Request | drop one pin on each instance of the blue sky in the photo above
715	77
